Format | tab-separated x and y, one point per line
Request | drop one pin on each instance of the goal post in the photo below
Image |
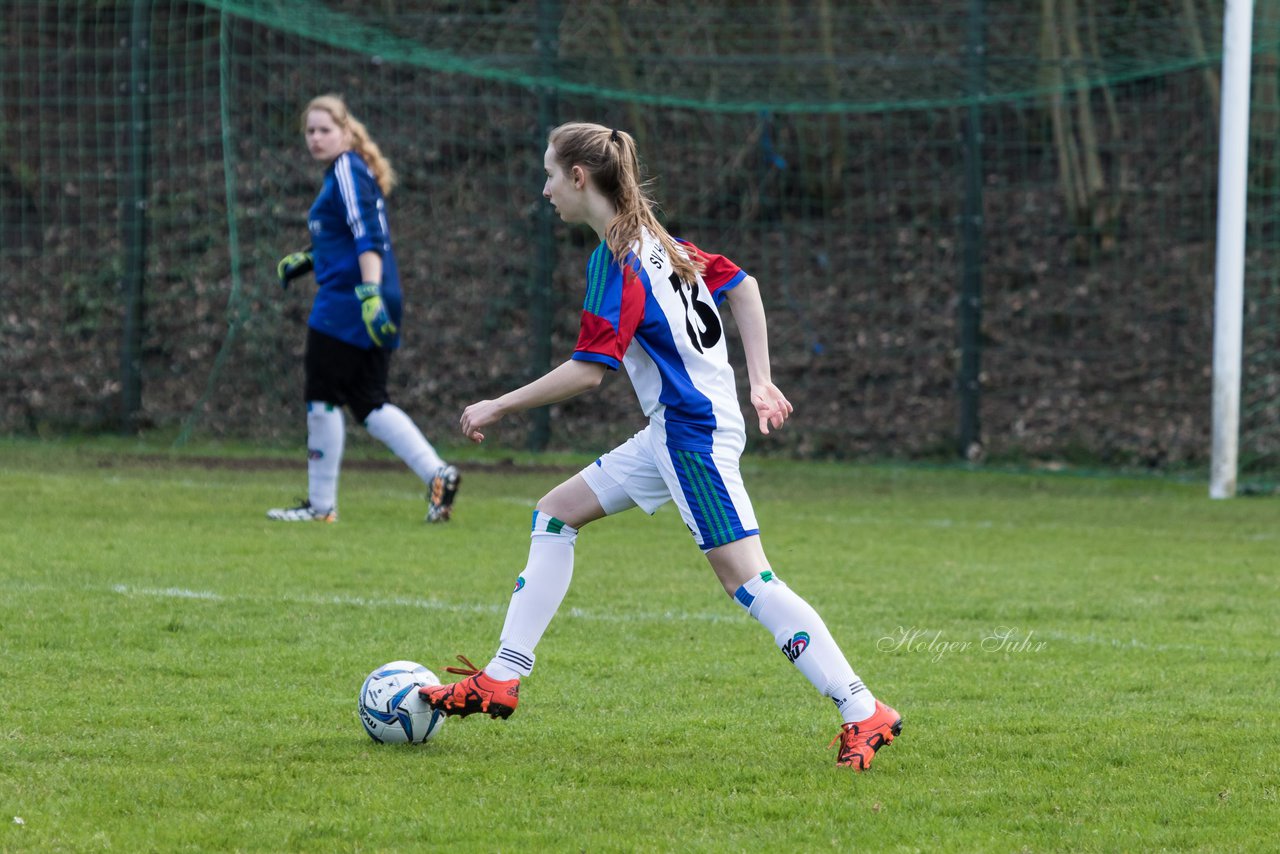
1228	311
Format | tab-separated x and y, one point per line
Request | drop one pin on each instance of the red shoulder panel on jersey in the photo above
718	270
598	337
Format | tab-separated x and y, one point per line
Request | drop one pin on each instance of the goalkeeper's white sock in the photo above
326	434
393	428
804	639
539	591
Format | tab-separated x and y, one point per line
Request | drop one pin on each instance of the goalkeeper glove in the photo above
374	311
294	265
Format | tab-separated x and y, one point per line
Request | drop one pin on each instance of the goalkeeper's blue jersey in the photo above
347	218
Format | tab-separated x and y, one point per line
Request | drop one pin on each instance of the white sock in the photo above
804	639
539	591
390	426
326	434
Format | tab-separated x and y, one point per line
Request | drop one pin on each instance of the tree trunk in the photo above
1195	39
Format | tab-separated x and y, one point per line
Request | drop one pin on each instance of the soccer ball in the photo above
390	708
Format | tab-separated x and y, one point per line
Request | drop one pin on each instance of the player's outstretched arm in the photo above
568	380
772	407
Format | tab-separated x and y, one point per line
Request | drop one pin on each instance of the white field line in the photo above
731	614
1020	525
428	605
1091	639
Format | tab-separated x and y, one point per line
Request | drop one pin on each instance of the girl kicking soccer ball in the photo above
652	306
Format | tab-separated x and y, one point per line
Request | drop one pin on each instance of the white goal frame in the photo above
1228	308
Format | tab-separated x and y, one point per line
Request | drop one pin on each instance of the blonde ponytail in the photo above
610	158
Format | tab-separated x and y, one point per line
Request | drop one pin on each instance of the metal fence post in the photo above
969	380
542	295
133	219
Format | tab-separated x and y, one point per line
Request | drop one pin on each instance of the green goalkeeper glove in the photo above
294	265
374	311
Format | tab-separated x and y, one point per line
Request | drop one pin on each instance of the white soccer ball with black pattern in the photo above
390	708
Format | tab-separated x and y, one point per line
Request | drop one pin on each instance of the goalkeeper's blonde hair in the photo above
361	142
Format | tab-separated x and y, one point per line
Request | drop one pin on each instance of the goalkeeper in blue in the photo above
354	325
652	307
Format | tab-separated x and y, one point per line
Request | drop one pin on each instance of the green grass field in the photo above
1082	663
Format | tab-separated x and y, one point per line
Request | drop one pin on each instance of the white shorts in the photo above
706	485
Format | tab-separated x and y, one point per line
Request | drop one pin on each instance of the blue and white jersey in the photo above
347	218
669	336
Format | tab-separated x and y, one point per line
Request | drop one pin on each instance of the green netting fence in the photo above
980	227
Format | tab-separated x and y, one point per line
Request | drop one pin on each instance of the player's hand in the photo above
294	265
772	407
374	311
479	415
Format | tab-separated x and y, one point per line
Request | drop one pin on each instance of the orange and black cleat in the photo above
444	489
859	741
476	693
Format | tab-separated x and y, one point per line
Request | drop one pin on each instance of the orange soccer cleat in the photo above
444	488
859	741
476	693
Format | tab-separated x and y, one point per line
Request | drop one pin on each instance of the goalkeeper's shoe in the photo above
476	693
859	741
304	512
444	487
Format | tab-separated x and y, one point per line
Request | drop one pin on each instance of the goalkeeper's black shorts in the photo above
344	375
